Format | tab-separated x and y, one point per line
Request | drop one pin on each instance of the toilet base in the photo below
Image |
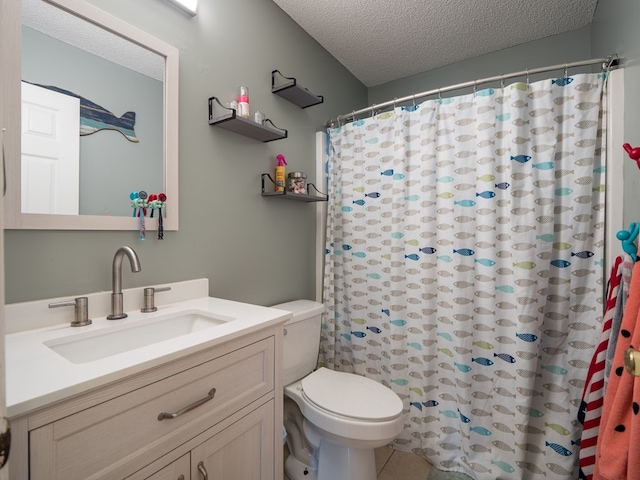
337	462
296	470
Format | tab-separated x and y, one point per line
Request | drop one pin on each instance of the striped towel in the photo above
593	395
619	436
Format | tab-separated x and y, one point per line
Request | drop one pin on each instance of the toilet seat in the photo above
351	396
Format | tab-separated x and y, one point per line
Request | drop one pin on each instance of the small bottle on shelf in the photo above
243	102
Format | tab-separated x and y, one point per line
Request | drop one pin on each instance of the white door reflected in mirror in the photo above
50	151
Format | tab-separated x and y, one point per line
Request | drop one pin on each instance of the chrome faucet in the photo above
116	295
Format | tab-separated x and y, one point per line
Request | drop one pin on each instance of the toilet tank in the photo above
301	338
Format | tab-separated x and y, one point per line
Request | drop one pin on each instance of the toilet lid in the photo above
351	395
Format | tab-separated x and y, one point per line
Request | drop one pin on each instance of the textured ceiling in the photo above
55	22
383	40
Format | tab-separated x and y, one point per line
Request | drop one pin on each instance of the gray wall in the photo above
252	249
558	49
615	29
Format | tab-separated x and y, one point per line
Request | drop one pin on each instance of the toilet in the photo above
334	420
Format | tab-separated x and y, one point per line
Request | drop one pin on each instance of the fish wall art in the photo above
94	117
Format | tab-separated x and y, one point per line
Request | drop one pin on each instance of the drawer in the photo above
125	433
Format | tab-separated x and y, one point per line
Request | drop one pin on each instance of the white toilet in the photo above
334	420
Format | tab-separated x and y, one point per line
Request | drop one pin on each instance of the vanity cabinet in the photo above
214	411
225	454
178	470
244	450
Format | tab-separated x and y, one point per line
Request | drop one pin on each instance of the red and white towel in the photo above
594	389
617	456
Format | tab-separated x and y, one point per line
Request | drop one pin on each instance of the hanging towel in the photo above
627	270
593	395
617	451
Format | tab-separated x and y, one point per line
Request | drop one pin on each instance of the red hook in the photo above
634	153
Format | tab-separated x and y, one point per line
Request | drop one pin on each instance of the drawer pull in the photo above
188	408
203	471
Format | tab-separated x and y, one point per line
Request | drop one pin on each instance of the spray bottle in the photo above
280	173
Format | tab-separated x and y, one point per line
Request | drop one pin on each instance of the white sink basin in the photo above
91	346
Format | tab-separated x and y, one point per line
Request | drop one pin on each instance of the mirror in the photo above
75	52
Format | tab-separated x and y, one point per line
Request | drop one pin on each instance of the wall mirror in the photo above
99	121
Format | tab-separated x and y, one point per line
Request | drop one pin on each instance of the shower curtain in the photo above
464	268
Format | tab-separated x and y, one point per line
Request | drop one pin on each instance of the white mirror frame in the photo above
13	216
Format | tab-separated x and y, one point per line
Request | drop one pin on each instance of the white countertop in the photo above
37	376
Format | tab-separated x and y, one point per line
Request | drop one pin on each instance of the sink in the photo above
91	346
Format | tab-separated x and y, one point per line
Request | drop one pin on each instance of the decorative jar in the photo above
297	182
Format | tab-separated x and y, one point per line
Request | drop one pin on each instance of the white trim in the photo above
321	211
614	197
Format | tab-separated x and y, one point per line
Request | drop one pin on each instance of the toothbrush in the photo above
134	202
142	212
162	199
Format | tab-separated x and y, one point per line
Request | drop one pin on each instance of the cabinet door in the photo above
178	470
242	451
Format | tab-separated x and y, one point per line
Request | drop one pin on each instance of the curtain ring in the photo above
353	116
414	99
373	109
565	70
439	94
501	82
474	86
610	61
527	76
394	102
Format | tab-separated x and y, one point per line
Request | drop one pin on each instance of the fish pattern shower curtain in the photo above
464	269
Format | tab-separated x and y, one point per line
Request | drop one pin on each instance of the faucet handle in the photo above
149	298
81	310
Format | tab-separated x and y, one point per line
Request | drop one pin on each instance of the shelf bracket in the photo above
293	92
232	122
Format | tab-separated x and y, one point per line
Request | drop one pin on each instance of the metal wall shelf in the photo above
230	121
293	92
299	197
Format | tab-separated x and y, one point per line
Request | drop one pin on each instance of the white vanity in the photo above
203	404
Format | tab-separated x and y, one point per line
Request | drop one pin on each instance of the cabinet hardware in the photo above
188	408
203	471
4	172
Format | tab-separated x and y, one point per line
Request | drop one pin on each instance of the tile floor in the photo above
395	465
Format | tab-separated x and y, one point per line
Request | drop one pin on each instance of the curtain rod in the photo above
607	63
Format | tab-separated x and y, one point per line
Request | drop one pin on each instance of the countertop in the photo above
37	376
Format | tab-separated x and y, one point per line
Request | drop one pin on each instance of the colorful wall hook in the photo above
634	153
627	237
